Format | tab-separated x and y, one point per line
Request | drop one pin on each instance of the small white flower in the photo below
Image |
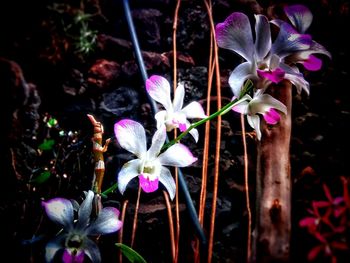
260	104
174	116
149	165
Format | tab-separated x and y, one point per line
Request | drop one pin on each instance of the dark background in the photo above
44	72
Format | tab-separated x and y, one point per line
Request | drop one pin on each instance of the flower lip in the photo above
272	116
274	76
148	185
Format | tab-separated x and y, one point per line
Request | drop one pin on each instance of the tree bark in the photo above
271	238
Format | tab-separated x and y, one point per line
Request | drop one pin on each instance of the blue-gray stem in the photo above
182	183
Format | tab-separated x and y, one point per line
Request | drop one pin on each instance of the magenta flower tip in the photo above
312	63
272	116
275	76
147	185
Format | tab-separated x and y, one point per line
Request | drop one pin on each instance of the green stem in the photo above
109	190
246	88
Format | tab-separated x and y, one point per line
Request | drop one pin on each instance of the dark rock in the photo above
121	102
115	48
147	26
103	74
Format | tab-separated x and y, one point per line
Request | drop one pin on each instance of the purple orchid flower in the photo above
301	18
260	105
264	60
74	239
174	116
149	165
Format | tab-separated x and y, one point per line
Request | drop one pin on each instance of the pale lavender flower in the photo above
150	164
74	239
174	116
264	60
260	105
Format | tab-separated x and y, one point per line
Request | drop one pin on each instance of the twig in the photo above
246	188
120	235
177	213
218	137
171	225
134	225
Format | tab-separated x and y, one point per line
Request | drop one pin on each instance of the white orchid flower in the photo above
150	164
174	116
74	240
260	104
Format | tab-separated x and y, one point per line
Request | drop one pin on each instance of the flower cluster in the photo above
268	62
327	223
74	239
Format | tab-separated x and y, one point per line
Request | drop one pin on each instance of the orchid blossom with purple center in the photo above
174	116
149	165
260	104
301	18
264	60
74	239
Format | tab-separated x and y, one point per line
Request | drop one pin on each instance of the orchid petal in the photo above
298	80
312	63
168	181
277	22
195	134
274	76
53	247
194	110
128	172
264	103
60	211
272	116
304	55
314	252
84	211
177	155
157	142
160	117
238	76
148	185
92	251
263	36
67	257
289	41
235	34
254	122
317	48
275	62
340	245
307	222
338	200
242	107
131	136
321	204
179	97
183	126
158	88
106	222
300	17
